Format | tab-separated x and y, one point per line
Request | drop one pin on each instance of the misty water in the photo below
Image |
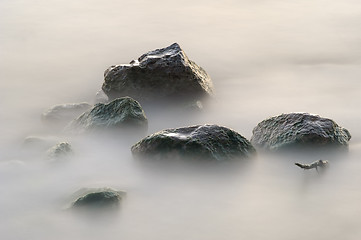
264	57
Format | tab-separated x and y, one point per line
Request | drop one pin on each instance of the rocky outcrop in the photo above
207	142
97	198
299	130
121	113
64	113
165	73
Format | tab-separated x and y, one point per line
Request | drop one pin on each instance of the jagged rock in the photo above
64	112
208	142
165	73
61	150
299	130
120	113
97	198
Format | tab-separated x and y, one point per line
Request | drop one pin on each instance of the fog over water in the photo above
265	58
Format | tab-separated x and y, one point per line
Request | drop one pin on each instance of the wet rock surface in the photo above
121	113
64	113
299	130
97	198
206	142
165	73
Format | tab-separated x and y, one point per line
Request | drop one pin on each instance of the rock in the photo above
121	113
208	142
165	73
61	150
64	112
97	198
299	130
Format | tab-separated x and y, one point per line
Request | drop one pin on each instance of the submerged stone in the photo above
39	143
299	130
64	112
61	150
207	142
164	73
121	113
98	198
194	106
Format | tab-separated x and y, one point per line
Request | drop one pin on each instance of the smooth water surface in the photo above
265	58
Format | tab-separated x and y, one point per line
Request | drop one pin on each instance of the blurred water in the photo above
265	58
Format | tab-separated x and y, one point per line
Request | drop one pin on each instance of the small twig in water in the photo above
316	164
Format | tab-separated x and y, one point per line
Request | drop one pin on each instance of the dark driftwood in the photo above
316	164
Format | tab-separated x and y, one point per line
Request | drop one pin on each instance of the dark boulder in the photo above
121	113
96	198
207	142
299	130
165	73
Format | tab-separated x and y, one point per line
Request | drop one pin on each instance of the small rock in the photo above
164	73
98	198
208	142
299	130
121	113
61	150
64	113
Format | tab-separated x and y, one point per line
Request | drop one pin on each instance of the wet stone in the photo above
98	198
161	74
121	113
299	130
205	142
